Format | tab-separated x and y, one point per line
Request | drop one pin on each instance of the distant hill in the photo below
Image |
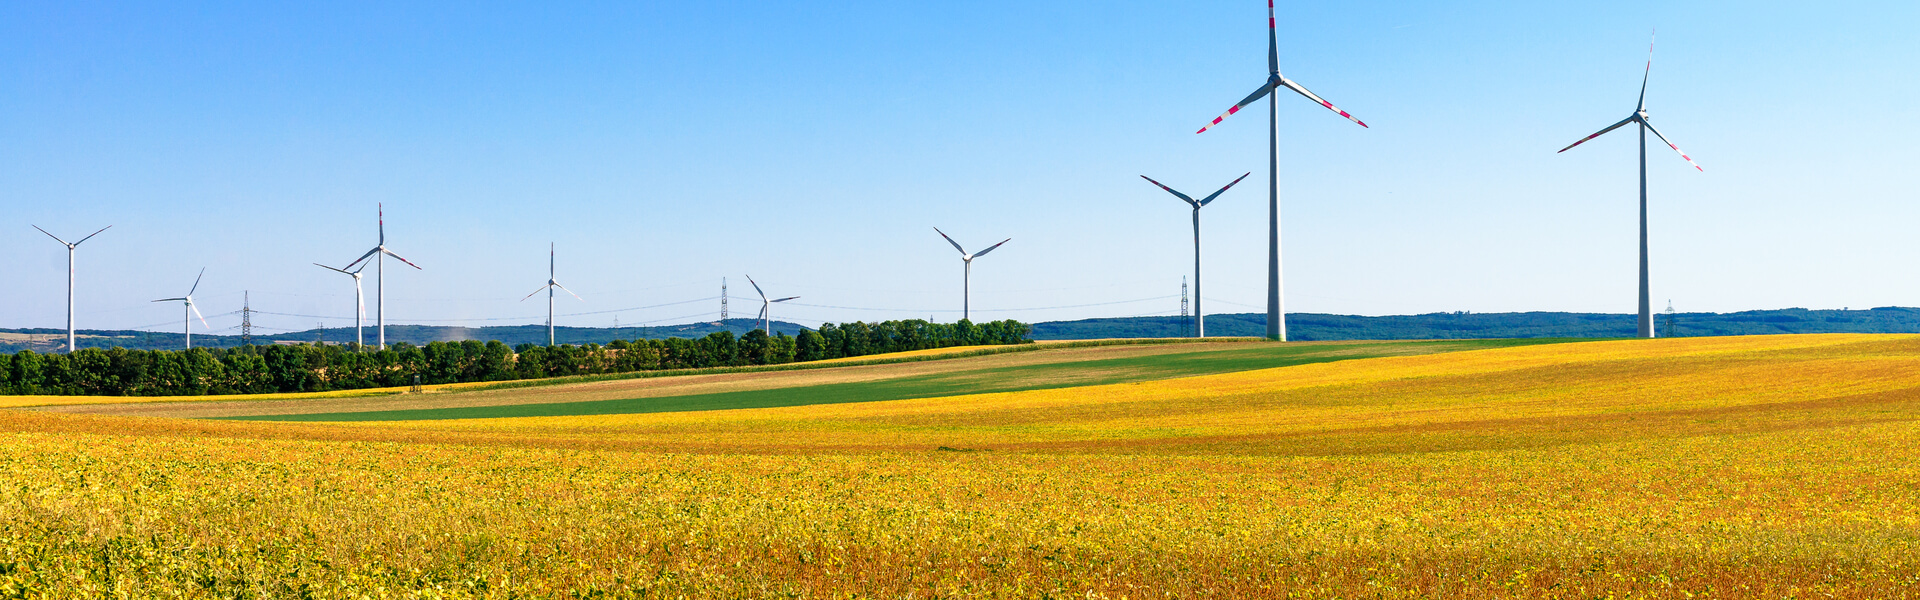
1313	326
1300	326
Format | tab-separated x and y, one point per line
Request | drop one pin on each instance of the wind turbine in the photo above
190	311
70	247
380	253
1199	318
1276	313
1640	116
966	277
359	302
549	287
766	306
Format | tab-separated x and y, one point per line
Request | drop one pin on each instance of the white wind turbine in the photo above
191	311
359	302
1276	309
966	276
70	247
549	287
380	253
1640	116
766	306
1199	320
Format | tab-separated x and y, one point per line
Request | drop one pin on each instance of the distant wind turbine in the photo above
359	302
70	247
966	277
191	311
549	287
1276	309
766	306
1640	116
1199	318
379	254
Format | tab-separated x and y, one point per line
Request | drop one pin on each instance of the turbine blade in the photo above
1609	128
1316	100
55	237
1168	189
330	268
956	245
168	299
1273	44
564	289
409	263
1265	88
1683	155
990	248
541	289
756	288
196	282
383	223
1224	189
1649	73
785	299
196	312
763	313
90	235
375	250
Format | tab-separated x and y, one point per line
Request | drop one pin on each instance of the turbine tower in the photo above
191	311
1640	116
359	302
70	247
766	307
966	277
549	287
1199	317
1276	313
379	254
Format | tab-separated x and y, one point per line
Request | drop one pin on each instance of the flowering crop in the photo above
1748	467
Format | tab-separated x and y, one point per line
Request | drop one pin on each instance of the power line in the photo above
955	310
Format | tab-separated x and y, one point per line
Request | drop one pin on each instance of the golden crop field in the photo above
1758	467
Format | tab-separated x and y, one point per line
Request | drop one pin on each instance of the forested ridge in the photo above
315	368
1472	325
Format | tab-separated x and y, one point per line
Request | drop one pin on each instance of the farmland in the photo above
1773	466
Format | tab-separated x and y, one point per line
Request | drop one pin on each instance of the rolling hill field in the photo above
1766	466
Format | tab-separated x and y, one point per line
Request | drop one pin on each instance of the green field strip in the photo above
984	380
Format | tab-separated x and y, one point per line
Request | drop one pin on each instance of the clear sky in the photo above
666	145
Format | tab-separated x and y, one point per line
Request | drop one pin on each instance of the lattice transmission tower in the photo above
1670	331
246	318
1186	320
723	299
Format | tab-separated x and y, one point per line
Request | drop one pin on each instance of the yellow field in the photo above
1779	466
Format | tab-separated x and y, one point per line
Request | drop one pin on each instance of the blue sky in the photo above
665	146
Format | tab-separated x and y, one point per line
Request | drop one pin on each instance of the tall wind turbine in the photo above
70	247
1640	116
1199	318
380	253
191	311
359	302
766	306
1276	313
966	277
549	287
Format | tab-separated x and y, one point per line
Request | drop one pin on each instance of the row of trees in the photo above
312	368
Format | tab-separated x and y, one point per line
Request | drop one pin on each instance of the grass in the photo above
992	379
1763	467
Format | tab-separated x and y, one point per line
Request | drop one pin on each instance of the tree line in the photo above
317	368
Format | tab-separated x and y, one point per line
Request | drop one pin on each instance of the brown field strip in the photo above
647	387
